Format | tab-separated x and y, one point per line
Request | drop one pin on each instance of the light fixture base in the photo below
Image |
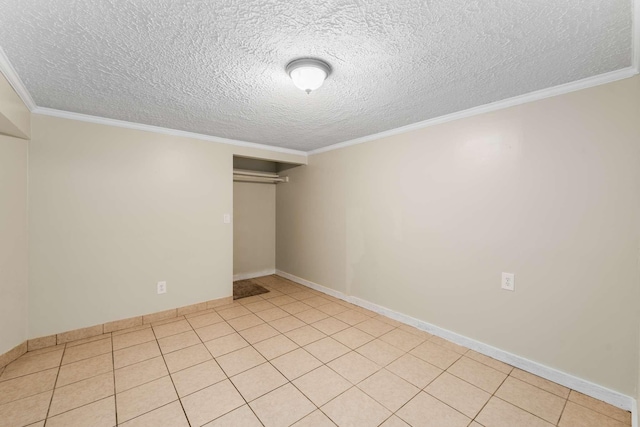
308	73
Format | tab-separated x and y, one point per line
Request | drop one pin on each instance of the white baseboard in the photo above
245	276
590	389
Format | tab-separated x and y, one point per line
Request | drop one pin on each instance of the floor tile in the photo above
295	307
354	367
321	385
326	349
477	374
133	338
539	382
575	415
86	351
258	333
31	365
330	326
601	407
232	313
101	413
282	407
498	413
204	320
448	344
415	331
369	413
28	385
532	399
140	373
217	330
272	314
388	389
245	322
275	346
81	393
145	398
281	300
402	340
394	421
489	361
305	335
332	308
84	369
172	328
170	415
227	344
182	359
435	354
25	411
88	340
257	307
241	417
458	394
135	354
240	361
287	324
312	315
351	317
295	363
375	327
317	301
178	342
197	377
315	419
352	337
380	352
414	370
212	402
426	411
258	381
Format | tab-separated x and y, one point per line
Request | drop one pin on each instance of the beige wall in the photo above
15	117
13	242
113	211
425	222
254	228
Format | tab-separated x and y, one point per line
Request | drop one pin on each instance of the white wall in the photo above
13	242
254	229
424	223
113	211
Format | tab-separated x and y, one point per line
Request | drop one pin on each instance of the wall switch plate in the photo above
508	281
162	288
226	218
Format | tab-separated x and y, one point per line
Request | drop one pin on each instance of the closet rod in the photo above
266	180
254	173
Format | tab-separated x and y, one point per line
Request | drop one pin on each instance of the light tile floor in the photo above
293	356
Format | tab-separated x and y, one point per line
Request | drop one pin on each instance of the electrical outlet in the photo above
162	288
508	281
226	218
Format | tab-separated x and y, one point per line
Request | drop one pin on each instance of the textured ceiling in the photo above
217	67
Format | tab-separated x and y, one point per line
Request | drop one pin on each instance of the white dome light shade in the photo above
308	74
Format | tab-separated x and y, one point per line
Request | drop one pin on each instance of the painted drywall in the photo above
113	211
13	242
254	228
15	117
425	222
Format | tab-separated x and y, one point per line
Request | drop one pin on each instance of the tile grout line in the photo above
115	395
170	378
54	384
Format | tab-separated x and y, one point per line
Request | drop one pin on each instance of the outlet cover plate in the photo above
508	281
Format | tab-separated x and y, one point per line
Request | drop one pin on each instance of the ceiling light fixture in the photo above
308	74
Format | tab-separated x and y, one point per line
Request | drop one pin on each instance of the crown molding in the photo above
157	129
487	108
15	81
